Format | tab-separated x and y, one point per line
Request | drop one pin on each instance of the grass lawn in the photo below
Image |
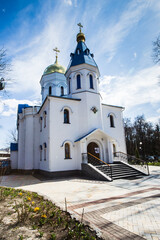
26	215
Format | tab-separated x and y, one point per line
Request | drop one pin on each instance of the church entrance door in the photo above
93	148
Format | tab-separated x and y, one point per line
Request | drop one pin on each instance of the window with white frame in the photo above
114	150
66	116
45	151
67	151
41	149
111	121
40	121
45	118
78	81
69	86
62	90
50	90
91	81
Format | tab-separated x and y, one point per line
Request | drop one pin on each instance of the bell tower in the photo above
82	73
83	81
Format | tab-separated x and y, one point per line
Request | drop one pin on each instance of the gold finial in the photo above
80	26
57	51
80	35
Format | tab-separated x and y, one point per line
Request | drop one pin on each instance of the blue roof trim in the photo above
82	57
14	146
79	139
21	106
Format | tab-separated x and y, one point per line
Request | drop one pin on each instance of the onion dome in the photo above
56	67
80	35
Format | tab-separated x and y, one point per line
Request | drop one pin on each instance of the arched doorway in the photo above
93	148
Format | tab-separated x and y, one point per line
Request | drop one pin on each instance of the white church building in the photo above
72	122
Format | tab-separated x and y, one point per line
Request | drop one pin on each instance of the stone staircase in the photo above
124	166
119	170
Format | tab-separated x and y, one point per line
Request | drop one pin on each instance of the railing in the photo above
95	161
137	163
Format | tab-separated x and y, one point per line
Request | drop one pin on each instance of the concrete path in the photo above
122	209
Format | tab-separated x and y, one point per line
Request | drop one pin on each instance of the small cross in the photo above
80	26
56	50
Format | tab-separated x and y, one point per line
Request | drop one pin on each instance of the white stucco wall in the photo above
14	159
116	132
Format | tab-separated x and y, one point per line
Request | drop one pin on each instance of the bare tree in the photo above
4	67
156	50
12	137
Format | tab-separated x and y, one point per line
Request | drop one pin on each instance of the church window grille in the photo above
62	91
50	90
67	151
91	81
78	81
66	116
111	121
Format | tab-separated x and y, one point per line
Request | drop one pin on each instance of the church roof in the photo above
82	55
56	67
21	106
91	132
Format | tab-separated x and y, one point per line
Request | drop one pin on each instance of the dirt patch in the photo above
26	215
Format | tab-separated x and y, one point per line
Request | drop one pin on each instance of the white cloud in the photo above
33	57
135	54
115	33
8	107
68	2
129	91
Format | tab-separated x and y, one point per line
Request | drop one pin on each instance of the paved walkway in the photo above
122	209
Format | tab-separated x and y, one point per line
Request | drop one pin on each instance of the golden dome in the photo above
54	68
80	37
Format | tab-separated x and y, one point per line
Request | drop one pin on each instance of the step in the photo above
126	176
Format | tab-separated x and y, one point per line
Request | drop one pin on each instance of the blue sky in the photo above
119	33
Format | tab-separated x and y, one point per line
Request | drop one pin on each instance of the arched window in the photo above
91	81
114	150
67	151
69	86
78	51
62	91
45	151
111	121
40	121
66	116
40	152
50	90
78	81
45	118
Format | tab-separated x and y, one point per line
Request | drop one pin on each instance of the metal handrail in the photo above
121	154
99	159
131	156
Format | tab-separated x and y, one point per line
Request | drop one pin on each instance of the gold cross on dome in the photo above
57	51
80	26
